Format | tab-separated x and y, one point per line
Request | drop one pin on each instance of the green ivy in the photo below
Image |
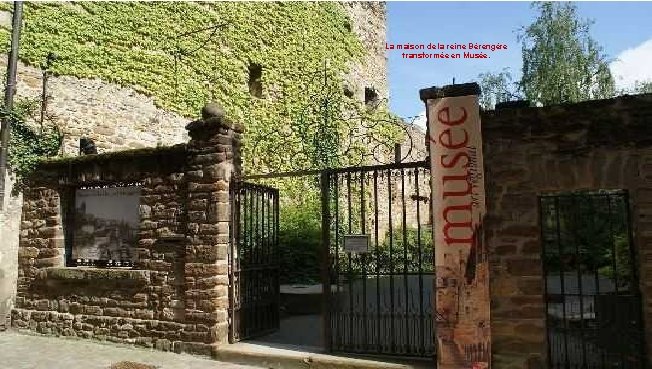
139	45
28	144
299	241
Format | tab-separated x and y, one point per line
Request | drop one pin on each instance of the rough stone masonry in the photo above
603	144
176	296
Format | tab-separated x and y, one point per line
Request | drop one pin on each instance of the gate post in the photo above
213	156
462	301
324	184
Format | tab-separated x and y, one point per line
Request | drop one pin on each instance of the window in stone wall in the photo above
255	80
370	97
106	222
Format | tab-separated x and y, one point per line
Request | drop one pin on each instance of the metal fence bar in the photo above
582	321
392	317
325	251
377	249
422	336
253	264
363	230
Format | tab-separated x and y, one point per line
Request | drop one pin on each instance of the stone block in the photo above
205	270
49	253
221	171
210	282
196	348
209	158
203	187
142	314
219	212
49	262
521	230
57	243
531	248
524	267
28	252
50	232
198	204
530	286
163	344
505	250
219	333
210	305
198	216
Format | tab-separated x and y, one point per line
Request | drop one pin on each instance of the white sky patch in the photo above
421	121
633	65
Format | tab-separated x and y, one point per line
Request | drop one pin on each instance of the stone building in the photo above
530	155
120	116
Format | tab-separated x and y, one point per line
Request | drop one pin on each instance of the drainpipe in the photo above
10	90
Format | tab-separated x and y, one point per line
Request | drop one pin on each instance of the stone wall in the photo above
176	296
9	229
121	118
115	117
604	144
368	21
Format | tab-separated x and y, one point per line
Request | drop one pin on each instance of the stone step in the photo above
294	357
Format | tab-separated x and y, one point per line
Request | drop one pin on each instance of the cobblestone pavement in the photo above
23	351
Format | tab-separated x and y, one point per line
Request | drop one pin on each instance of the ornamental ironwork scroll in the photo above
332	129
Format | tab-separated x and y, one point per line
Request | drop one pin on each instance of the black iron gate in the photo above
253	261
378	272
592	298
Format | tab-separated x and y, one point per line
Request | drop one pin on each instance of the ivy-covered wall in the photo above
133	74
183	54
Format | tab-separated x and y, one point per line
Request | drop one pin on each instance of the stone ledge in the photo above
123	276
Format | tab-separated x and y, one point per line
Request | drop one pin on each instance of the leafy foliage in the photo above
588	234
27	144
398	252
299	242
561	62
496	88
186	53
407	250
643	87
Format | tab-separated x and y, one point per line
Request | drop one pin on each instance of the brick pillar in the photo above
41	239
213	156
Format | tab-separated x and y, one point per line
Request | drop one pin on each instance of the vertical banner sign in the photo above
458	207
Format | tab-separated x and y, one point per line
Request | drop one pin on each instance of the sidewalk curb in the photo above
274	358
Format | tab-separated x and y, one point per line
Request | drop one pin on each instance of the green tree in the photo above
561	61
496	88
643	87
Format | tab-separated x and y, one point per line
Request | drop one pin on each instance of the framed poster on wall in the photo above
106	224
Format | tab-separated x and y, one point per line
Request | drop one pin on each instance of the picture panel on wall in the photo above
106	225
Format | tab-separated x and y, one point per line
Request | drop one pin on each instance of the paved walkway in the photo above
22	351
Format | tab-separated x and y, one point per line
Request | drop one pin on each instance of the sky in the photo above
623	29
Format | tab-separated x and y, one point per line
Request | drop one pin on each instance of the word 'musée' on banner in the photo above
458	208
